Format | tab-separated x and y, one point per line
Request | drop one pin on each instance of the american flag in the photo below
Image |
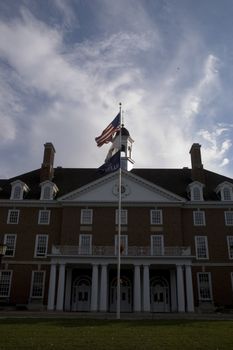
108	132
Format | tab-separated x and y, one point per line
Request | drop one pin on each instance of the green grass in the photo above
43	334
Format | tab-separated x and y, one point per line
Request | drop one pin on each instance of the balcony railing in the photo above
111	251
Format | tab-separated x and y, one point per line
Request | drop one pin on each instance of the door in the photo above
125	295
81	295
159	296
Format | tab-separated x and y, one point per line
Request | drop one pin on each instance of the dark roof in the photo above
70	179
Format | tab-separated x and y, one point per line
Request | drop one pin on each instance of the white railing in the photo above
110	251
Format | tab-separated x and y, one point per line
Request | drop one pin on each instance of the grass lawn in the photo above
43	334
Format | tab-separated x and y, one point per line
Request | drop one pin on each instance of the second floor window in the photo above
44	217
157	245
228	218
13	216
41	246
199	218
85	244
230	246
156	217
123	244
201	245
124	217
86	216
10	242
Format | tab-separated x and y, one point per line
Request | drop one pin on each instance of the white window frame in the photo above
201	298
226	193
124	217
41	218
9	248
10	214
230	246
33	284
199	218
156	217
50	187
17	190
124	244
9	284
37	253
201	244
228	215
86	216
157	248
84	248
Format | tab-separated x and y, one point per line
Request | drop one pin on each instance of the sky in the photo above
66	64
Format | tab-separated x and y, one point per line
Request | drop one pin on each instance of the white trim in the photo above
10	211
160	247
22	188
160	216
226	213
124	217
37	245
10	280
124	244
32	284
83	248
204	240
209	286
6	235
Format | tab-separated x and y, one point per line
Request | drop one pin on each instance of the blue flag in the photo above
112	164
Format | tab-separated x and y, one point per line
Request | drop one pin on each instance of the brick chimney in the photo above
47	171
197	172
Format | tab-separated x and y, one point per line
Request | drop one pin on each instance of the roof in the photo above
70	179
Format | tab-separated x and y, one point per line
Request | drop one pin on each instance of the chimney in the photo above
197	172
47	171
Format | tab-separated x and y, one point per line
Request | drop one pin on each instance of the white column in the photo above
52	285
137	289
94	288
189	288
103	289
180	288
146	288
68	289
61	287
173	291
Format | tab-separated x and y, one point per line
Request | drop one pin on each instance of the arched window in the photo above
197	193
226	193
17	192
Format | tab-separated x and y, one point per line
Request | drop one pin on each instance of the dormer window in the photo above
18	188
195	190
48	190
225	190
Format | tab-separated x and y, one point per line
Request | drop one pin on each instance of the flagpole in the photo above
118	309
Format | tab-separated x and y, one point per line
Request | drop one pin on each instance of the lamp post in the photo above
3	248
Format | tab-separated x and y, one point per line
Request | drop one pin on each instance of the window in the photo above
199	218
204	286
85	244
17	190
230	246
196	194
10	241
123	246
37	286
157	245
201	245
228	218
86	216
44	217
13	216
195	189
41	246
5	283
124	217
156	217
48	190
226	194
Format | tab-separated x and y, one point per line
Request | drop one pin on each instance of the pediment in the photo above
134	190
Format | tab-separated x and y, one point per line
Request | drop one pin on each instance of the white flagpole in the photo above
118	313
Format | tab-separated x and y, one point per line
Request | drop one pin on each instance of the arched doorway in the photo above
125	295
81	294
159	295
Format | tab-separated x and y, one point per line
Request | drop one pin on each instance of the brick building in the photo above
60	227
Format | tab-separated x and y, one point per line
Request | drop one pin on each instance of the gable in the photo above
134	189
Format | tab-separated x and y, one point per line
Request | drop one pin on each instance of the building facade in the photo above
60	226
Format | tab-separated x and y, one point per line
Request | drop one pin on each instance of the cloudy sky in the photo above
66	64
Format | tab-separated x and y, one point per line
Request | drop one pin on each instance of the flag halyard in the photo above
108	132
